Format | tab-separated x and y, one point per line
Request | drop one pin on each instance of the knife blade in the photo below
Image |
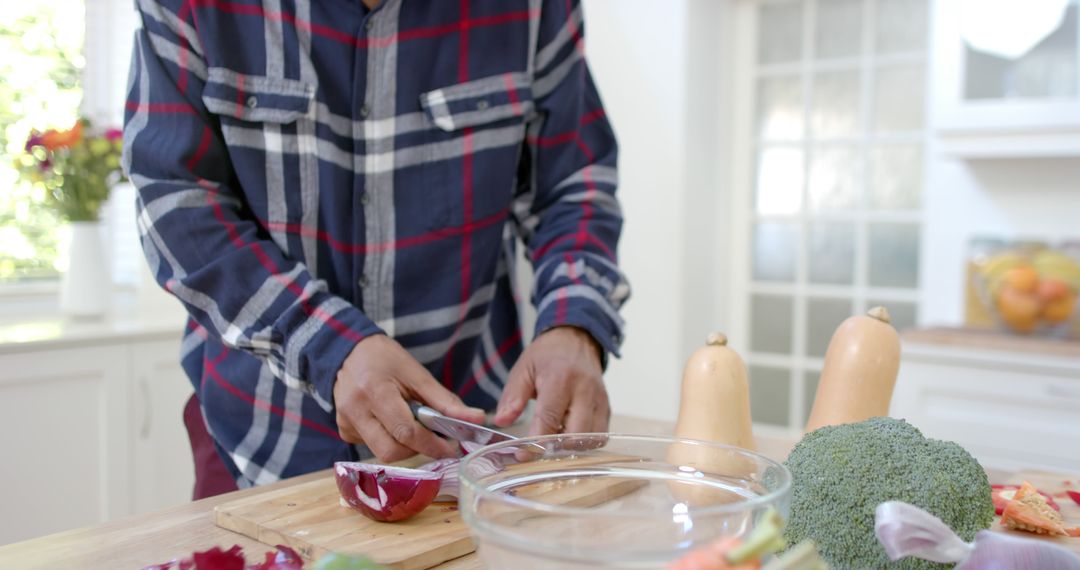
454	428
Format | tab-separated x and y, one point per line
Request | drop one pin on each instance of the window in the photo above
834	144
61	59
42	43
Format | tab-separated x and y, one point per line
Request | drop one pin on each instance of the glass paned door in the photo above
836	137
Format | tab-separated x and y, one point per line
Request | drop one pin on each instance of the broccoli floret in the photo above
842	473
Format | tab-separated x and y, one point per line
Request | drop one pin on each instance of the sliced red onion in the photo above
449	488
385	493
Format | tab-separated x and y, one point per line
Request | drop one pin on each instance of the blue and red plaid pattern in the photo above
311	172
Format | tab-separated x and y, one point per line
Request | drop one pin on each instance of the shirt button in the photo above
365	111
252	102
365	198
363	281
481	105
369	24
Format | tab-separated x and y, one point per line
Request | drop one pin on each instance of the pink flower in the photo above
113	134
34	140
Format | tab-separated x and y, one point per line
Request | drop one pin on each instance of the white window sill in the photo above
30	318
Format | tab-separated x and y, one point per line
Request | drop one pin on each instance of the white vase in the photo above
84	287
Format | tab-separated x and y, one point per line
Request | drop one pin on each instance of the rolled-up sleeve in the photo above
566	211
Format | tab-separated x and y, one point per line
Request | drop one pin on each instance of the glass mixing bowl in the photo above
609	501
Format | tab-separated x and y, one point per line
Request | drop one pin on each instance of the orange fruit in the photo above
1022	278
1019	309
1059	310
1051	289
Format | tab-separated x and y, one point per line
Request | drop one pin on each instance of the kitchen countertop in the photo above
153	538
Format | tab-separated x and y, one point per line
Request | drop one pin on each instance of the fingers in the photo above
397	420
551	407
380	442
520	388
428	390
581	415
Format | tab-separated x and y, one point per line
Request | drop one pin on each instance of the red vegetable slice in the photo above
1074	495
1002	494
284	558
386	493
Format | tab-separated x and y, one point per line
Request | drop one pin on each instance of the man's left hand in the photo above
562	370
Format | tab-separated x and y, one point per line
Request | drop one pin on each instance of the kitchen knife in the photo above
460	430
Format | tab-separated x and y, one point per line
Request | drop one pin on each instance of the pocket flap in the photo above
256	97
480	101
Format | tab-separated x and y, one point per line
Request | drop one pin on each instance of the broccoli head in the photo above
842	473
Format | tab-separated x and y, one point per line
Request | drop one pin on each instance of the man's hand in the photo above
562	369
370	395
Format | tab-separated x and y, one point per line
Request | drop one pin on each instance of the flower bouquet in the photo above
77	167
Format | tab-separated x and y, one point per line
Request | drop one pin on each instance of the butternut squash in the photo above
714	407
860	371
715	402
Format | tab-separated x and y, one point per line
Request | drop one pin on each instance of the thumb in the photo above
520	387
433	394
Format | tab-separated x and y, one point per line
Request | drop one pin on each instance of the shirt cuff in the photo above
585	314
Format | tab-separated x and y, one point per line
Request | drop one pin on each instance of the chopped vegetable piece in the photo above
732	554
284	558
1074	495
804	556
337	561
1002	494
1029	511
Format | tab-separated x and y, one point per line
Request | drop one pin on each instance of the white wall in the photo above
1036	199
655	67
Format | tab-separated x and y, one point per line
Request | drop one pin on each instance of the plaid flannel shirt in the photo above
311	172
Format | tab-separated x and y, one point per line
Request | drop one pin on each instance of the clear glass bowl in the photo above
595	501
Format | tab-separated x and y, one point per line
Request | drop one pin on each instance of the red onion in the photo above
386	493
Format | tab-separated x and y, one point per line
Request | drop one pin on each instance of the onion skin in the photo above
383	493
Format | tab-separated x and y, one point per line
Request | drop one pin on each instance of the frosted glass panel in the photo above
896	174
770	324
898	98
779	182
839	28
902	314
832	253
822	318
780	32
775	251
811	379
902	26
835	111
834	175
780	107
894	255
770	394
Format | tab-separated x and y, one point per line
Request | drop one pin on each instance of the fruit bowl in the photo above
605	501
1030	291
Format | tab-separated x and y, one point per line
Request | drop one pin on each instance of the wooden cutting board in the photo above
309	518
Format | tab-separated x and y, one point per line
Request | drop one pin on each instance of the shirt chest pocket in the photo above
472	148
268	124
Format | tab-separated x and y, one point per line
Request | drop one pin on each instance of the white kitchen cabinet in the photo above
1012	404
91	422
163	474
1018	98
63	451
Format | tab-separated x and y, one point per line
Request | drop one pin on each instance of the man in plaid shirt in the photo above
335	190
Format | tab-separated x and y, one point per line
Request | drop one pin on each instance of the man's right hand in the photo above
371	397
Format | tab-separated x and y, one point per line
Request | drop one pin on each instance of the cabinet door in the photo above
63	458
162	467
